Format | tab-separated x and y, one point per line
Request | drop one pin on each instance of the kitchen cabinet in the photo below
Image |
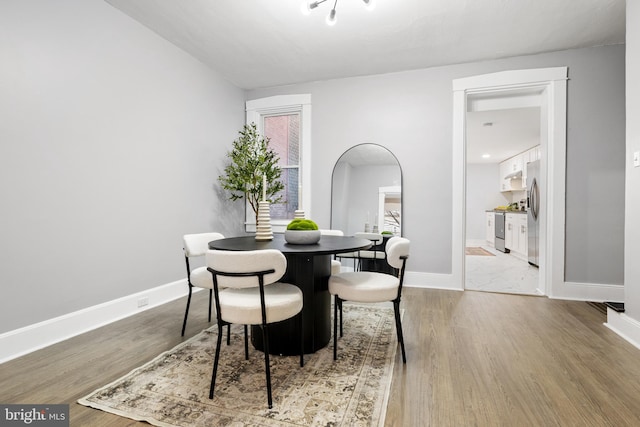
515	235
509	166
491	228
505	184
535	153
514	164
530	155
522	235
510	236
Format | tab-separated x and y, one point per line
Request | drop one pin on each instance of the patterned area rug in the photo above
477	251
173	389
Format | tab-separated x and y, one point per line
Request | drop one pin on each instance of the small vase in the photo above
263	227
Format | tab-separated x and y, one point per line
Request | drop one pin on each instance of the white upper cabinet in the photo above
517	164
509	182
530	155
505	183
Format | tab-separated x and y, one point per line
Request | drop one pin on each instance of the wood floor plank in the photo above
474	359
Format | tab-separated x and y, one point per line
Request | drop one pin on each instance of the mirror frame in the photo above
331	220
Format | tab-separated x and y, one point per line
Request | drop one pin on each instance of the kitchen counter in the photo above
505	211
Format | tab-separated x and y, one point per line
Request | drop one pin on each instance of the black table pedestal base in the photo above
311	274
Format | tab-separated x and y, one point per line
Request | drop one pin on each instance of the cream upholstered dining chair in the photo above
376	239
247	292
196	245
335	264
372	287
372	254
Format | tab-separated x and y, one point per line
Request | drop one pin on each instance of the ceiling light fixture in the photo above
331	18
307	7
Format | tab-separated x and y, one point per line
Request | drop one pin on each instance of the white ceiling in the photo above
261	43
511	131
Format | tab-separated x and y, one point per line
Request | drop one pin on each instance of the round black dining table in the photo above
309	268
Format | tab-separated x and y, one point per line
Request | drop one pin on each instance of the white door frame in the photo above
552	82
382	197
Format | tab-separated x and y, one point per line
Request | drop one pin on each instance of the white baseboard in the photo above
414	279
30	338
625	326
595	292
571	290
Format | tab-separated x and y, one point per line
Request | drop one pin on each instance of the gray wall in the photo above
411	114
632	213
595	168
111	140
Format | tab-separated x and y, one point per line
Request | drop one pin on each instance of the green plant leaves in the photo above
250	159
302	224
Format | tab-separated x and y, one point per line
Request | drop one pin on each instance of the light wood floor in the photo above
474	359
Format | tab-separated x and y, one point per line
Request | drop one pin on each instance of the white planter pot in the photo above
302	237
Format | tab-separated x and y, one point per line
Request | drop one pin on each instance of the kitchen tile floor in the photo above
500	273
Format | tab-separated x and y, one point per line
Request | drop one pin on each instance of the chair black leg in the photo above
186	312
335	327
301	340
396	309
210	301
229	334
340	301
265	340
246	343
215	361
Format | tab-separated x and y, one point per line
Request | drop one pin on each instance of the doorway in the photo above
550	83
502	145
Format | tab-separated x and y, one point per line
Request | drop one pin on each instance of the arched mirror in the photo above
366	191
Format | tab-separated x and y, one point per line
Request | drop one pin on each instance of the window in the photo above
286	121
283	131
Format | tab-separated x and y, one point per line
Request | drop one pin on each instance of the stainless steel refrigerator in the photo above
533	211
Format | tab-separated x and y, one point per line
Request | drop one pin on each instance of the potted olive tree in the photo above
252	162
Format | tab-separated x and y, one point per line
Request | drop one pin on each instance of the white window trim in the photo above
285	104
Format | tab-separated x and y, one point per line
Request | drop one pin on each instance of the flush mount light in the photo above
308	6
486	156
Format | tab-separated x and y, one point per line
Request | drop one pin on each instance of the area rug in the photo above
173	388
477	251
